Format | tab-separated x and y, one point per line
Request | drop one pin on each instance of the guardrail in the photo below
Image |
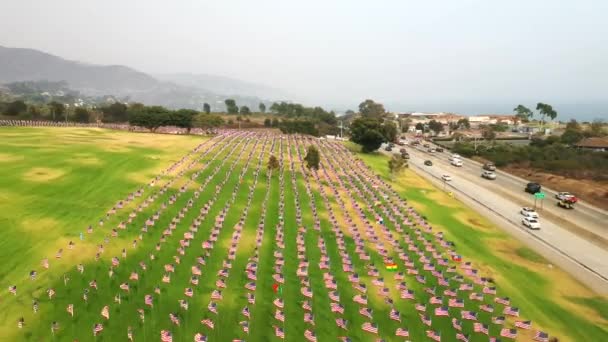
516	224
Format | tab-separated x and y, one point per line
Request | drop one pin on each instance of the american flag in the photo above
420	307
366	312
97	328
511	311
165	336
360	299
426	320
166	278
169	268
456	303
523	324
394	315
148	300
407	294
174	319
481	328
188	292
278	303
456	324
421	279
245	326
541	336
279	315
462	337
216	295
71	309
412	271
115	262
124	286
466	287
341	323
279	332
402	332
443	282
208	323
503	300
306	305
441	311
250	286
508	333
436	300
306	292
105	312
246	312
134	276
498	320
310	335
200	338
309	318
141	314
370	327
489	290
250	298
434	335
486	307
335	296
183	304
469	315
336	307
212	307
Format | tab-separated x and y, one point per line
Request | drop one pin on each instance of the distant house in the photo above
594	144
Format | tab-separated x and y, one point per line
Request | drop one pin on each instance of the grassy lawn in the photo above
55	182
548	296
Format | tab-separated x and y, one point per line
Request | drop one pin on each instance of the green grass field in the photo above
55	182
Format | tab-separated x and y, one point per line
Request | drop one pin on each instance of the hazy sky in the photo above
417	55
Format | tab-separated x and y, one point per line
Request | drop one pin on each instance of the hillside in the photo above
175	91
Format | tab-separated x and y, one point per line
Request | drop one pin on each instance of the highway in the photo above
584	220
585	260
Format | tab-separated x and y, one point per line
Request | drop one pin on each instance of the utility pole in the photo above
341	127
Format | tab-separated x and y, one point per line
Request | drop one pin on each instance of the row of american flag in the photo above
360	184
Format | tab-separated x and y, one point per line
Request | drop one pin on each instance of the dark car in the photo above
439	149
405	155
388	148
489	166
425	145
533	188
428	163
403	150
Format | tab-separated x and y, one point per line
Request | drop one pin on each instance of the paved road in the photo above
584	220
584	260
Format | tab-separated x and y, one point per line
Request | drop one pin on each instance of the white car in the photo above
446	178
531	223
529	212
457	162
563	195
488	175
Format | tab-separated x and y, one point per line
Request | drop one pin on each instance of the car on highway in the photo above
533	188
402	150
425	145
439	149
388	148
563	196
529	212
428	163
405	155
457	162
531	223
488	175
446	178
454	156
431	150
489	166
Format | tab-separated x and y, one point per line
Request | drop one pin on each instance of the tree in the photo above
435	126
545	110
571	136
183	118
57	110
206	108
312	158
117	112
267	122
206	121
420	126
275	122
396	165
273	163
231	106
573	125
16	107
245	110
596	129
488	133
262	107
464	123
389	130
523	113
81	115
368	133
151	117
369	108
